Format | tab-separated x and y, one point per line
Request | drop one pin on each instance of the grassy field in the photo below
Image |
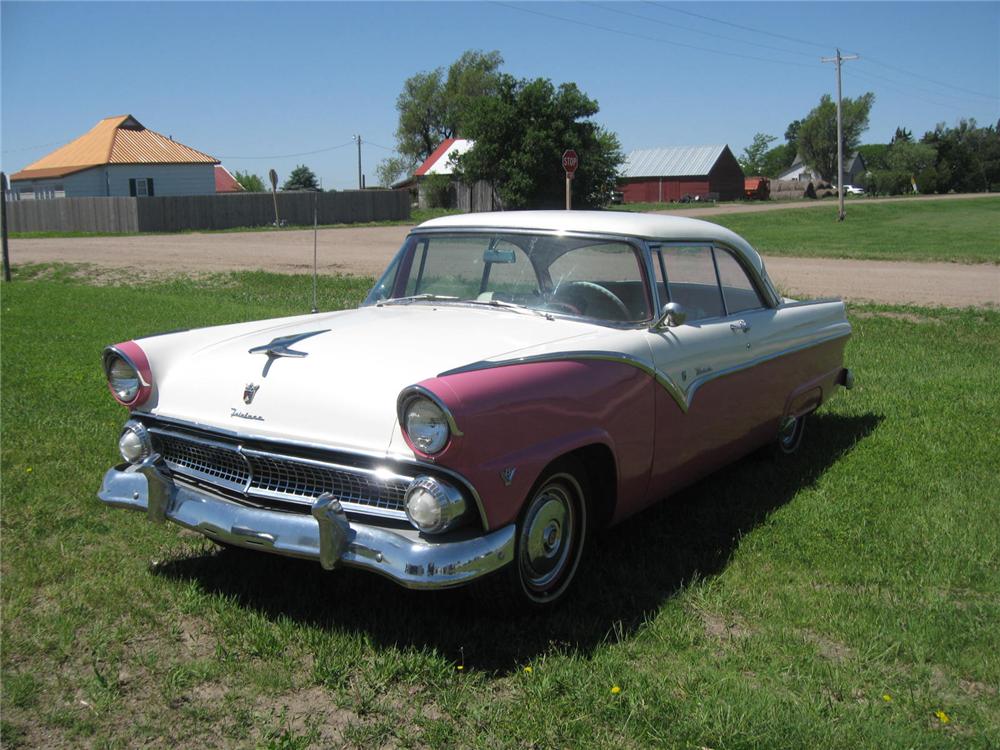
848	597
965	231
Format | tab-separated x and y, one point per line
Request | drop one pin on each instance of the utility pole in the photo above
360	183
3	219
840	129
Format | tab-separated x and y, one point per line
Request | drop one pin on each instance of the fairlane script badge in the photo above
245	415
249	392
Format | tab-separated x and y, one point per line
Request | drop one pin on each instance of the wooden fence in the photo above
224	211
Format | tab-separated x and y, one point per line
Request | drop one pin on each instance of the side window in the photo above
691	281
737	288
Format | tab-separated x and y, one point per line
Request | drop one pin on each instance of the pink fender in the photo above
524	416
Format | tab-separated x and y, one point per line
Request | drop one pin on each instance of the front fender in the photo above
517	419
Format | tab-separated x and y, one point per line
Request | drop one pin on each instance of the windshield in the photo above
592	278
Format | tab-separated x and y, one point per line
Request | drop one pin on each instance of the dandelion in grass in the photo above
615	690
942	717
29	469
887	698
527	670
460	667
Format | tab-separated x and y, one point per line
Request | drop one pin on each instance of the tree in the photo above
520	134
968	156
433	104
301	178
393	169
817	136
752	159
250	182
902	135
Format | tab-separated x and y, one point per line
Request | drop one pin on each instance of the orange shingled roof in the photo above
114	140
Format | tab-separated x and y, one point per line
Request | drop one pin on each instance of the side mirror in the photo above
673	315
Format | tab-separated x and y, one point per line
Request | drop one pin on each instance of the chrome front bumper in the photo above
326	536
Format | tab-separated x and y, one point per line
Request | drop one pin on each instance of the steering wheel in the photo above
601	290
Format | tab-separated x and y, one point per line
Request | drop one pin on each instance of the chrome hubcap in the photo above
548	536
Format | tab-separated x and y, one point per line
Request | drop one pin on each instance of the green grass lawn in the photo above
966	231
847	597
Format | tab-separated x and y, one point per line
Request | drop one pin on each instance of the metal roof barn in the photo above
661	175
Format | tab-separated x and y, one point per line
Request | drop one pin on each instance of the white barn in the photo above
117	157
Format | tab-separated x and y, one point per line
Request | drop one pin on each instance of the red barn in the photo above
662	175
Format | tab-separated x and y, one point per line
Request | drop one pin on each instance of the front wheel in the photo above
551	535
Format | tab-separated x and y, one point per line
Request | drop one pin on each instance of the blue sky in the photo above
262	79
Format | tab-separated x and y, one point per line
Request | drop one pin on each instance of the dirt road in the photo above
367	251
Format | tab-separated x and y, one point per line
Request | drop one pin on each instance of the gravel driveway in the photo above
367	251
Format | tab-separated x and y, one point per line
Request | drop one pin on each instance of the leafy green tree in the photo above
777	160
876	155
393	169
251	183
433	104
752	159
520	134
968	156
817	136
902	135
301	178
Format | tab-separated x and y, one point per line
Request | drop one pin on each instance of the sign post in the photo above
570	162
274	194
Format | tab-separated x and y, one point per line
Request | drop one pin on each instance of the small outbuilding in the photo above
119	156
663	175
854	168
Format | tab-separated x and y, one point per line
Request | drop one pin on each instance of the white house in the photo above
854	167
120	157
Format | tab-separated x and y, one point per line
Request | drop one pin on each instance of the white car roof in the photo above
646	226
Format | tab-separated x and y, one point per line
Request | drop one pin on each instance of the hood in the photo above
342	394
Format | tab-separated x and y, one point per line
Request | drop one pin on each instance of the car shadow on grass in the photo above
632	569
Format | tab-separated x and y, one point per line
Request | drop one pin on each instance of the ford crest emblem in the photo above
249	391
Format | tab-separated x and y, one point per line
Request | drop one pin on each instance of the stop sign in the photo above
570	162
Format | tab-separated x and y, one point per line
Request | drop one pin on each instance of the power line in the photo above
705	33
739	26
880	80
32	148
289	156
802	41
994	97
910	87
657	40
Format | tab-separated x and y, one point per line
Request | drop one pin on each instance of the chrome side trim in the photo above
417	463
683	398
403	555
806	302
604	356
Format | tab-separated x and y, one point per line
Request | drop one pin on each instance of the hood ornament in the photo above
249	391
280	347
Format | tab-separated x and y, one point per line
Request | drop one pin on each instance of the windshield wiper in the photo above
506	306
417	298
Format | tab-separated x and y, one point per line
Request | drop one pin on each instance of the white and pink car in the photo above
513	381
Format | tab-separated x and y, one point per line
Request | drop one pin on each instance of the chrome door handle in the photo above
740	325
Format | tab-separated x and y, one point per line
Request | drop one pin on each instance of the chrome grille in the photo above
263	474
215	463
301	479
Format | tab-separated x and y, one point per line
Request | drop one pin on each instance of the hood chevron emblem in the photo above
279	346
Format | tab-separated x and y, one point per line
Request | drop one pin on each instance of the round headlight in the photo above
432	505
134	443
124	379
426	425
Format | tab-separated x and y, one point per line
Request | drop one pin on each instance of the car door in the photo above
705	414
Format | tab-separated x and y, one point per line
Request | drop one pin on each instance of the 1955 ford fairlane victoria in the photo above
512	381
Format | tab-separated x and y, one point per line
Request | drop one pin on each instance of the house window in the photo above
140	187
